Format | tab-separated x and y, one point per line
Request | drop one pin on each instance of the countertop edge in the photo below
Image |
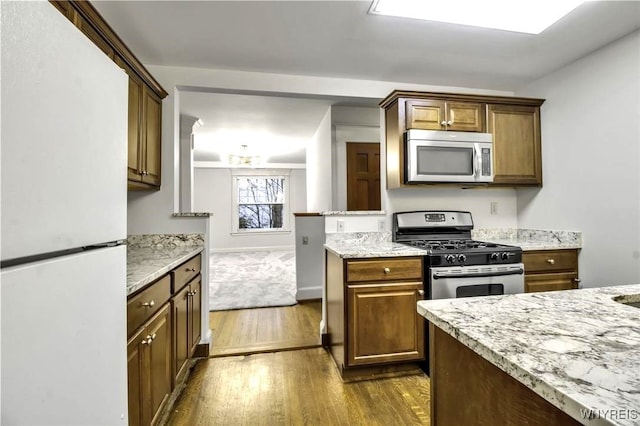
140	284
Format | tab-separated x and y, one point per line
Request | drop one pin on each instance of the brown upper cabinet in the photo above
145	95
514	123
434	114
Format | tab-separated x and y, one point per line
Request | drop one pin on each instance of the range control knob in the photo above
494	256
505	255
462	258
450	258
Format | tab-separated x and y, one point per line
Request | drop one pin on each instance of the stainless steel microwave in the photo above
437	156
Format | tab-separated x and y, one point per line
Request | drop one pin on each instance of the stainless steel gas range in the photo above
456	265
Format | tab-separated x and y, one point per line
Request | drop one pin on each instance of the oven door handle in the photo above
519	271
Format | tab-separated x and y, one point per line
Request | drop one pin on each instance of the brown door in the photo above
363	176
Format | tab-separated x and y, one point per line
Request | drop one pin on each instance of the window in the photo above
261	202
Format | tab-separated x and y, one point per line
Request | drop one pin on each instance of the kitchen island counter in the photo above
578	350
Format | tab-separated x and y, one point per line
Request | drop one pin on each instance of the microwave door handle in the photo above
476	161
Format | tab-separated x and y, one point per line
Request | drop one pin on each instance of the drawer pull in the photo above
191	269
386	270
551	261
421	292
149	304
577	280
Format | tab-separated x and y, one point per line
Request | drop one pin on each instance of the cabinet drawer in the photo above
185	273
146	303
384	270
550	261
550	282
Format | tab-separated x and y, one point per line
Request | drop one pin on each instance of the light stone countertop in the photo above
577	349
350	250
146	264
531	239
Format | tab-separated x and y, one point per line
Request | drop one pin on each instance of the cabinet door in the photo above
180	303
134	162
425	114
383	324
159	350
516	144
465	116
137	385
550	282
152	132
195	313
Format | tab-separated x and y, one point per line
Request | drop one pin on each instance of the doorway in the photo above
363	176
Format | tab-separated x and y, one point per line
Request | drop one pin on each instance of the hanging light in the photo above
243	159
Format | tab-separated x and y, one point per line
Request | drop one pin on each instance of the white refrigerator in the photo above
63	222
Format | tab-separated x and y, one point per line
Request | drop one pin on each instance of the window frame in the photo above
262	173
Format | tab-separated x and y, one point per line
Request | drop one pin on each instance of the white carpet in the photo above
252	280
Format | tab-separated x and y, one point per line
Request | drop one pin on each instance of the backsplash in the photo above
165	240
358	238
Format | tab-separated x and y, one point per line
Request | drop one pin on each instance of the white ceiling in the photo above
339	39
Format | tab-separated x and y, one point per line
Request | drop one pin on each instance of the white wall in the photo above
309	257
319	167
591	160
213	188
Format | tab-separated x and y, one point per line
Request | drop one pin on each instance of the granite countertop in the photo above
146	264
578	349
349	250
531	239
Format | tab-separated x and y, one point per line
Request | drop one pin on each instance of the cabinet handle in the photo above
192	293
577	280
421	292
147	340
386	270
153	337
449	123
443	123
144	173
191	269
149	304
551	261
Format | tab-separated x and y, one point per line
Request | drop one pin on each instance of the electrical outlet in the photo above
341	226
305	241
382	224
494	207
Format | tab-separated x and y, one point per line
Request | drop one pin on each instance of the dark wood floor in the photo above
295	387
246	331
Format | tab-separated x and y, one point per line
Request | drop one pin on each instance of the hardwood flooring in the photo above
247	331
295	387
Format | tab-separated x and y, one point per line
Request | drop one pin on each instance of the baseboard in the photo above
245	249
309	293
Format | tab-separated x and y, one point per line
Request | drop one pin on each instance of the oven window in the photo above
438	160
480	290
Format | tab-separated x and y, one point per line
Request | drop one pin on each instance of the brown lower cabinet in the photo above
163	327
372	322
149	369
548	270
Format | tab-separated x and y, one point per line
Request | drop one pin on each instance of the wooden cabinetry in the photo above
163	329
443	115
186	312
371	312
149	369
547	270
517	151
145	95
514	123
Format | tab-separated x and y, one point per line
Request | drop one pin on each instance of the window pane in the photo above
260	216
261	190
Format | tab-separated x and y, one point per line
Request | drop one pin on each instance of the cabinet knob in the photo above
551	261
421	292
145	173
577	280
386	270
191	269
149	304
449	123
443	123
192	293
149	339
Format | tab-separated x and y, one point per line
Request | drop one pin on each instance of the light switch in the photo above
341	226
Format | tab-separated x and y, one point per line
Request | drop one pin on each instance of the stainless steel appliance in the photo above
438	156
455	265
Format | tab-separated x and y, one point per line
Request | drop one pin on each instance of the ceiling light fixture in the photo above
243	159
524	16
